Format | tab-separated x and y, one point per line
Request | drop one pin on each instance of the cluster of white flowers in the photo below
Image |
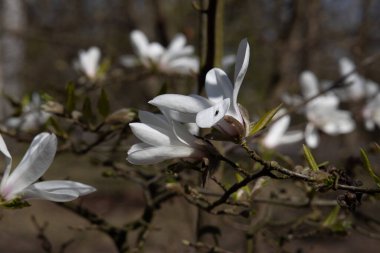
32	116
322	110
177	58
171	135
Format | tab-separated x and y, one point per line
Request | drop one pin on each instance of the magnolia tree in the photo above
225	161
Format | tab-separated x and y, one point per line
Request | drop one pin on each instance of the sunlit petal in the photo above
154	155
56	190
311	136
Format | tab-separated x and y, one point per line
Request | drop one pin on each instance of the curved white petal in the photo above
177	43
212	115
154	155
182	133
311	136
155	51
276	131
326	102
218	86
137	147
153	135
241	66
139	42
89	61
34	164
153	119
181	103
338	122
183	65
57	190
309	84
8	162
291	137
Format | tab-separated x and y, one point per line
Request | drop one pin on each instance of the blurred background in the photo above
40	41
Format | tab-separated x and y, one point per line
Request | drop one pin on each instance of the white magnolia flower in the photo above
20	184
357	86
221	109
277	134
162	139
178	58
322	112
89	61
371	113
31	118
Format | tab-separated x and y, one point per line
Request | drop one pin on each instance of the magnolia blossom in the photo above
221	109
31	118
20	184
162	139
278	135
88	62
357	86
371	113
178	58
322	112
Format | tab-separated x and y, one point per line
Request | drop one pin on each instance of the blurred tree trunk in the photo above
297	39
11	50
361	44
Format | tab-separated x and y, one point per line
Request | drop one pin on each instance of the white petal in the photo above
139	42
309	84
137	147
181	103
241	66
338	122
179	116
311	136
89	61
192	128
228	60
291	137
177	43
8	162
212	115
182	134
276	131
355	83
153	135
155	51
183	65
57	190
327	102
218	85
34	163
158	120
154	155
372	88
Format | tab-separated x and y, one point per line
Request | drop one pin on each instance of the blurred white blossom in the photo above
21	183
177	58
89	61
322	112
32	116
277	133
371	113
357	87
